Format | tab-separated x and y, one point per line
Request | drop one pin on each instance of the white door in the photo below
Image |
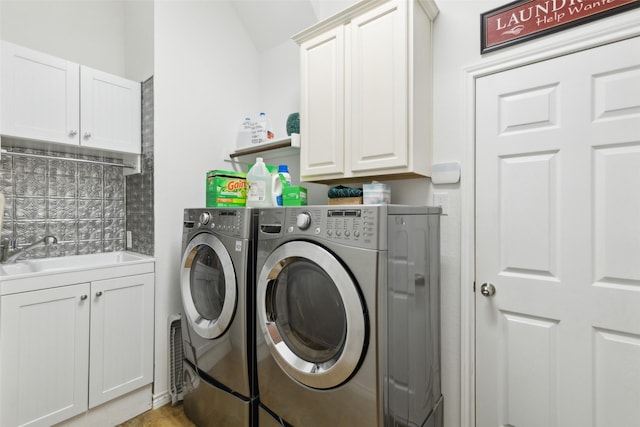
110	110
558	237
44	361
40	96
121	337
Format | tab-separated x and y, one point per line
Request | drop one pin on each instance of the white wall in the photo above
89	33
138	46
456	46
456	51
92	33
206	79
324	9
279	79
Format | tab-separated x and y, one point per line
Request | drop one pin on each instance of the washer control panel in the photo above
229	222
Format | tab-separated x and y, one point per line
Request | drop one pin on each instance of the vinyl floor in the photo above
165	416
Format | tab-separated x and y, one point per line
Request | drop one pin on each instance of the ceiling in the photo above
272	22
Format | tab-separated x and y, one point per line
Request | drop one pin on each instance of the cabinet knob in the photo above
87	135
83	297
99	293
73	132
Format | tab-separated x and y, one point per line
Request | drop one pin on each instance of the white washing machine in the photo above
348	312
217	276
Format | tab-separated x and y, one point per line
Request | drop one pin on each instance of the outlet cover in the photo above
442	199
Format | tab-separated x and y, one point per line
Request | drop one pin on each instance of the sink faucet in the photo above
11	253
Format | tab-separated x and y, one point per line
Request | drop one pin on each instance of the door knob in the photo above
487	289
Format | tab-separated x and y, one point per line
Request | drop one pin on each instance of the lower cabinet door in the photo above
121	350
44	360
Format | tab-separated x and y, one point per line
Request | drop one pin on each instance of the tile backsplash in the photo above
139	187
81	204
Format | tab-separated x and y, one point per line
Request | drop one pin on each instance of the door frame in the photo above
602	32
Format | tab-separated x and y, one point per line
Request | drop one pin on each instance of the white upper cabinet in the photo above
40	96
366	92
323	72
45	98
109	111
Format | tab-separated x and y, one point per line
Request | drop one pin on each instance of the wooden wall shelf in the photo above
273	145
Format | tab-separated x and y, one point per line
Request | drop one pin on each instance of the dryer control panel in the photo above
354	225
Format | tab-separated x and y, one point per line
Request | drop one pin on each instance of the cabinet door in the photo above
40	96
44	355
121	337
378	108
110	112
322	109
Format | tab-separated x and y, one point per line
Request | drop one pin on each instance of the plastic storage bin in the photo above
376	193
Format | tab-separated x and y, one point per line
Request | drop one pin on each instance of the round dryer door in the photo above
208	286
311	315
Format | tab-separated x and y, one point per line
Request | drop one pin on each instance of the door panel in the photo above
557	234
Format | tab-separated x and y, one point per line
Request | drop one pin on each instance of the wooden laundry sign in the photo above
526	19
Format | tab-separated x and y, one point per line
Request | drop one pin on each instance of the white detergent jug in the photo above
260	186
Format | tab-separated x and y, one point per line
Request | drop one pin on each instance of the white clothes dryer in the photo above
348	316
217	274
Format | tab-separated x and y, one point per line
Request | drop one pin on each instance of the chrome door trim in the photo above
208	329
336	371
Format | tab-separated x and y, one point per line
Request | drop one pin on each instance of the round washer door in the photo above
311	315
208	286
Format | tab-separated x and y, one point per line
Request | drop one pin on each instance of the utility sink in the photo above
69	263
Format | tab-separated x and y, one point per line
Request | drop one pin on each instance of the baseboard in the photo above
115	411
161	399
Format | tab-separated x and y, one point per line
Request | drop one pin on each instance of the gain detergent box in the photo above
226	189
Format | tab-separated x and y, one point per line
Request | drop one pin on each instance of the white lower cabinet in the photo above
67	349
44	362
121	344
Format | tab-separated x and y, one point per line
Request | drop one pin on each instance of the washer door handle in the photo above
269	301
